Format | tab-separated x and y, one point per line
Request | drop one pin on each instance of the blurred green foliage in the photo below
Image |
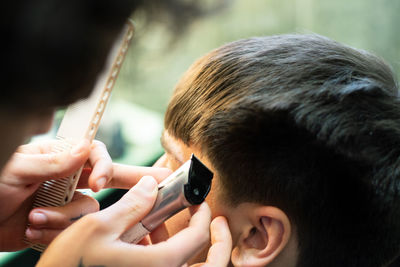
154	65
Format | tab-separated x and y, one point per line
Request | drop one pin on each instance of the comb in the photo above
81	121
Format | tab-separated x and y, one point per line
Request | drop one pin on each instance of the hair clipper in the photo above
189	185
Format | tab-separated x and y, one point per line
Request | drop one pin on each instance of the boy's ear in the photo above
263	236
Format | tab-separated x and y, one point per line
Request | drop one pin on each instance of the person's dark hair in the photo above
306	124
52	51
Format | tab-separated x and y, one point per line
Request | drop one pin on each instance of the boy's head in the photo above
303	135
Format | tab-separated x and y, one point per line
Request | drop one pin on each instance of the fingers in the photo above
62	217
42	167
173	252
221	245
104	173
42	236
47	222
219	253
190	240
102	170
132	207
126	176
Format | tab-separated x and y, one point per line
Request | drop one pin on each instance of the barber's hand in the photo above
47	222
219	253
220	249
22	175
94	240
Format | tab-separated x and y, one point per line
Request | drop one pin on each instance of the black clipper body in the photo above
188	185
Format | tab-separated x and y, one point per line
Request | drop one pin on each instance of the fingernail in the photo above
38	218
78	148
100	183
147	183
33	233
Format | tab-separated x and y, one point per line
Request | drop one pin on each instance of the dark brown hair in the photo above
52	51
306	124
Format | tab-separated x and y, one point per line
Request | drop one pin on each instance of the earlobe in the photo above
263	238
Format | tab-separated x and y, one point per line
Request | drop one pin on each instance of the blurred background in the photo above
133	121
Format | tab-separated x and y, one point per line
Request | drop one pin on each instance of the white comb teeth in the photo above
81	121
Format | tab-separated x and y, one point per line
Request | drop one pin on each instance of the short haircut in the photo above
306	124
52	51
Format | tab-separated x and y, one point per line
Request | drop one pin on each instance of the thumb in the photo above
221	243
133	206
219	253
33	168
